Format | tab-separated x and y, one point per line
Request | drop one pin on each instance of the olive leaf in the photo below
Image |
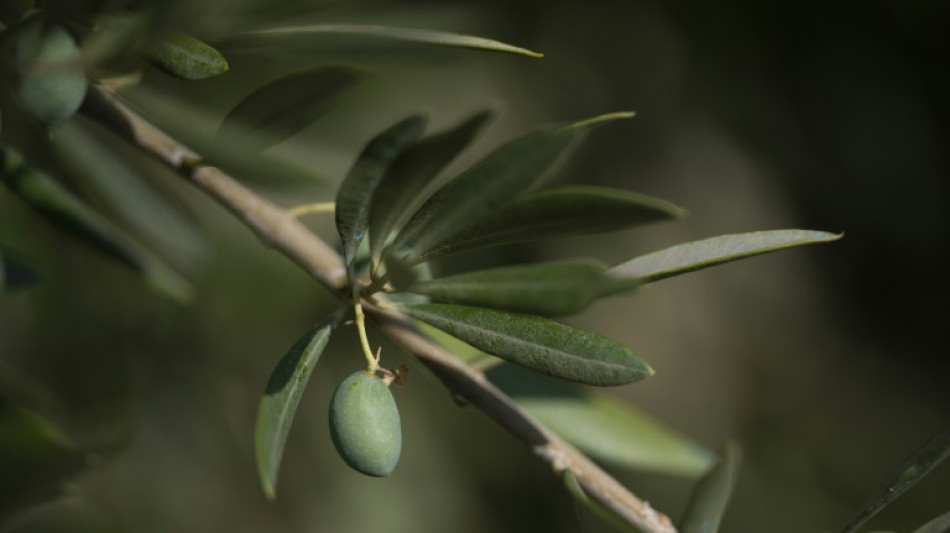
353	196
708	502
305	34
941	524
187	58
491	184
58	205
913	469
555	213
279	404
697	255
15	272
547	289
536	343
282	107
408	176
601	425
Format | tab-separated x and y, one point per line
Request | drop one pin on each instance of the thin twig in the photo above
283	232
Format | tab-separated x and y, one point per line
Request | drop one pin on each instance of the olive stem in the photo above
372	362
310	209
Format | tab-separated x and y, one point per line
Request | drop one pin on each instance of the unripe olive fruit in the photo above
52	81
364	425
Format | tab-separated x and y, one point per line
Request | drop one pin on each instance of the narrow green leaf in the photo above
68	212
941	524
601	425
279	403
710	497
282	107
15	272
547	289
409	175
697	255
354	194
491	184
537	343
913	469
187	58
555	213
434	37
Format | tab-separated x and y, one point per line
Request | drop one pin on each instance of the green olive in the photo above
364	425
52	81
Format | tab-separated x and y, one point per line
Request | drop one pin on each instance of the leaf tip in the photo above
269	492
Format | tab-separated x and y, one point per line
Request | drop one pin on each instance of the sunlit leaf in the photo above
15	272
708	502
558	212
537	343
941	524
409	175
433	37
282	107
69	213
354	195
549	289
187	58
279	403
697	255
491	184
601	425
913	469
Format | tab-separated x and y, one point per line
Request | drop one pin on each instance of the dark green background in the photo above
827	364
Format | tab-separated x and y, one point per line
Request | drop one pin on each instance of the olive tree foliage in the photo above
491	336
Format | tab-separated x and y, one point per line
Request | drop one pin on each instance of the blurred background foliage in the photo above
827	364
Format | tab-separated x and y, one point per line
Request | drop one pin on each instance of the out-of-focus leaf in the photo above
92	159
601	425
37	459
187	58
548	289
194	128
434	37
354	195
941	524
279	403
59	206
282	107
596	510
492	183
559	212
16	273
409	175
913	469
710	497
537	343
697	255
